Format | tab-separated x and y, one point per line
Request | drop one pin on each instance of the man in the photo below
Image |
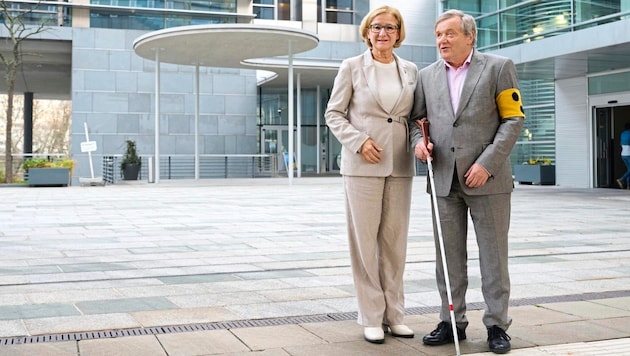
473	105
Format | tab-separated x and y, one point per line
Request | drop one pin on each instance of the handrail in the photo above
176	166
182	166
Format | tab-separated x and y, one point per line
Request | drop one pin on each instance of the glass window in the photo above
588	10
538	19
284	9
297	4
508	25
506	3
537	140
264	9
273	107
336	11
138	20
38	13
265	13
610	83
289	10
487	31
473	8
219	6
339	4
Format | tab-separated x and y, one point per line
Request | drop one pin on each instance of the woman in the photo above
367	111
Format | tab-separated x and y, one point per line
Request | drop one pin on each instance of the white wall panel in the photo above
419	16
573	134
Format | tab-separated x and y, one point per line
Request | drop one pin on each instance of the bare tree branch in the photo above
18	31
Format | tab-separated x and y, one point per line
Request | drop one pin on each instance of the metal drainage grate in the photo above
158	330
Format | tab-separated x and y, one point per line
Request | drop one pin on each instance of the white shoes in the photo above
374	335
399	330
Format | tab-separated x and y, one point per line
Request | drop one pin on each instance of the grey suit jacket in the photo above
355	113
476	132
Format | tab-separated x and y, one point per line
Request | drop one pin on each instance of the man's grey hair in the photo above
468	22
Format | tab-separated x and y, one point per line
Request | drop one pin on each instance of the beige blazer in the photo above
355	113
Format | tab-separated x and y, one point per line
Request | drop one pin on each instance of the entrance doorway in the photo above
609	122
274	139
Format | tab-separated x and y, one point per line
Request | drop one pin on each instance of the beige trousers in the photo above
377	212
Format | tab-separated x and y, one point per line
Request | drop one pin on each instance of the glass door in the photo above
275	140
603	147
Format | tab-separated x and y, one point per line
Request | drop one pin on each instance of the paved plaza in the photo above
261	267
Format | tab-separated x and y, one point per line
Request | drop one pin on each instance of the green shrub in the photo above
45	163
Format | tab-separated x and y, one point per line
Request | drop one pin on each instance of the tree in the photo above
51	126
17	31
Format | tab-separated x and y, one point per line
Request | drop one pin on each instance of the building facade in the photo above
242	112
571	56
573	68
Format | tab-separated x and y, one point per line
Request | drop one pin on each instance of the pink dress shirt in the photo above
456	77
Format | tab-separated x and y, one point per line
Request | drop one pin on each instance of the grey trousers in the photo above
377	212
490	215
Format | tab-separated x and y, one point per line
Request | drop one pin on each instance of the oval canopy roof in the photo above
223	45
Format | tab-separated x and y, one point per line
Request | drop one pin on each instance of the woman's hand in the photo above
371	151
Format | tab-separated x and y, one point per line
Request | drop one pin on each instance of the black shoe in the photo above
498	340
443	334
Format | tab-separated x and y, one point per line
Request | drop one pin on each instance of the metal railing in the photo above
210	166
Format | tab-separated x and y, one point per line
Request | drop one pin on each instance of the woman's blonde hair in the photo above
364	28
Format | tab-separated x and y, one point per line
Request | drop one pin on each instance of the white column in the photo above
318	113
197	91
299	126
157	116
290	93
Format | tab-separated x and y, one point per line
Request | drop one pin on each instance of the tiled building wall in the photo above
113	90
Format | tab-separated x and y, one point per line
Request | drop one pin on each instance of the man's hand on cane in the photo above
424	148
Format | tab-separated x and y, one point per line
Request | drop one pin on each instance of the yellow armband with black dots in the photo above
510	104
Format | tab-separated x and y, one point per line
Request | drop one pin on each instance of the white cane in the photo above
424	125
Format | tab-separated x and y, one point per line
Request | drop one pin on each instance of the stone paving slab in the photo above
209	342
80	259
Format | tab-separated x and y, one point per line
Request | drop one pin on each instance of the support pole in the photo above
317	134
290	94
89	152
197	93
299	125
28	124
156	157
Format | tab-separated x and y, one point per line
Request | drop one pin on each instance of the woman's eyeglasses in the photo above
388	28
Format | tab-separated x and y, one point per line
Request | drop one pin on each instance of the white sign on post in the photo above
88	146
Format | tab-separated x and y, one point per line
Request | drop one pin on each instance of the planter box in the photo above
130	171
49	177
535	174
